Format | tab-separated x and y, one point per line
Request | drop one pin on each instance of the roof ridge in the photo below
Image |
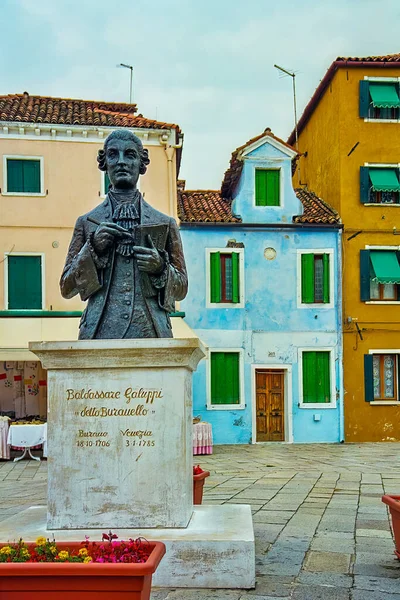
27	95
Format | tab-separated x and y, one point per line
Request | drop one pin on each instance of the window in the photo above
381	377
379	99
315	278
379	275
316	377
23	175
225	379
379	185
224	278
24	280
267	187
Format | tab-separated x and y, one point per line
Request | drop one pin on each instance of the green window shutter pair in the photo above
308	279
267	187
24	282
216	278
316	377
379	94
23	176
225	384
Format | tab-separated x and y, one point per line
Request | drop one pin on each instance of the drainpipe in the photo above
170	153
339	289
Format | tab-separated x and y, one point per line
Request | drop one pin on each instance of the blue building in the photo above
265	297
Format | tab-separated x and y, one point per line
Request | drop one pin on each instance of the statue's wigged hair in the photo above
124	134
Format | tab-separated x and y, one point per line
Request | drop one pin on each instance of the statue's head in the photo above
124	158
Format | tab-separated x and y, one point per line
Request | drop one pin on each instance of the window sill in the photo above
380	204
226	407
318	406
225	305
368	120
27	313
24	194
385	403
323	305
382	302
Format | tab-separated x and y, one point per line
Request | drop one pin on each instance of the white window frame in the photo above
4	189
242	404
388	351
392	249
332	366
6	255
281	184
314	305
231	305
381	80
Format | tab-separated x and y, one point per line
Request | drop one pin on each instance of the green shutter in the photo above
364	99
261	187
23	176
365	276
225	387
309	380
107	183
215	277
273	188
24	282
235	277
326	291
307	278
364	185
316	377
368	378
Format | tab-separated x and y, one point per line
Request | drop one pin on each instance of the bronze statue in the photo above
125	258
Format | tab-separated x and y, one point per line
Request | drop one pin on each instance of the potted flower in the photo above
393	503
48	570
198	483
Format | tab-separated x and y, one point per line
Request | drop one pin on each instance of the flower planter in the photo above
393	503
198	485
64	581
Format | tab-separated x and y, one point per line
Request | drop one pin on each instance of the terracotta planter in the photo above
65	581
393	503
198	485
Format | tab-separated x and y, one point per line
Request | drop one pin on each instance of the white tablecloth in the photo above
202	438
4	448
26	436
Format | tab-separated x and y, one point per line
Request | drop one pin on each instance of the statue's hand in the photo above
149	259
105	235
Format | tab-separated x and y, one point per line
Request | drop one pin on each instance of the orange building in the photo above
349	140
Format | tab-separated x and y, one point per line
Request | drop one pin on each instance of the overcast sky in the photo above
204	64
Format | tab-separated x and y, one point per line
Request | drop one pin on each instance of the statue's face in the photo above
123	163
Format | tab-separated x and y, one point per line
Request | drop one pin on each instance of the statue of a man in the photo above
130	278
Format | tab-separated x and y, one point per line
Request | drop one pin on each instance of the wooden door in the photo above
270	406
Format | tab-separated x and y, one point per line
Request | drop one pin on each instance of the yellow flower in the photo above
41	541
53	549
83	552
87	559
25	553
63	555
5	550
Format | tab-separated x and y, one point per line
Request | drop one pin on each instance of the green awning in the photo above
384	95
384	180
386	266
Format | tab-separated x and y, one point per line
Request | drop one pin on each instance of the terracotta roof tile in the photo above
67	111
232	174
204	206
316	210
384	58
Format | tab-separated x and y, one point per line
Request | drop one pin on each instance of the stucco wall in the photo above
269	329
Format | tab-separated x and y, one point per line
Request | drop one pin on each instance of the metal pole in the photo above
130	90
293	76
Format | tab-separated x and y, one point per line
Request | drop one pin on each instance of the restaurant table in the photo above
202	438
4	448
27	436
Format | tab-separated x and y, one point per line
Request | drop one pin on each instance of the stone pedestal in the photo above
119	432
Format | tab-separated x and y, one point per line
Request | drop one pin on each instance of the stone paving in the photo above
322	532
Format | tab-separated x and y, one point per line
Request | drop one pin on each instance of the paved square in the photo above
321	528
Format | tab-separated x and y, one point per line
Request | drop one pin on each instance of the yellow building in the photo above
48	177
349	140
